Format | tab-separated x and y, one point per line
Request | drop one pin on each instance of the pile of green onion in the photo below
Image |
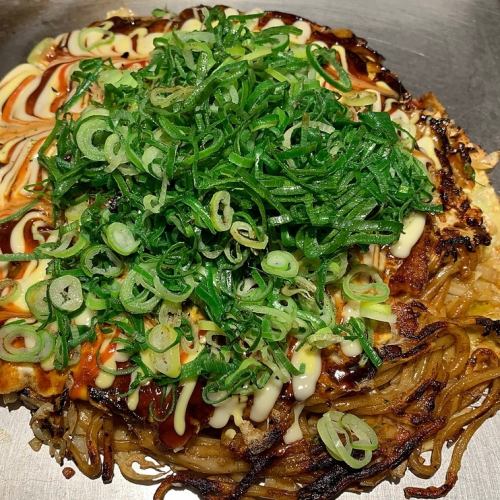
222	175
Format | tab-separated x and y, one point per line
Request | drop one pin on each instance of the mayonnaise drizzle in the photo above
426	144
231	407
413	227
133	399
12	178
304	385
104	380
264	400
306	33
182	404
294	432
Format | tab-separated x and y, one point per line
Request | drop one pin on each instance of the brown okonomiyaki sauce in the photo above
363	62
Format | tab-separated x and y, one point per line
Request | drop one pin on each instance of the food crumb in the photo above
68	472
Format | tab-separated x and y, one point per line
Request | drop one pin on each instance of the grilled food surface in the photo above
443	292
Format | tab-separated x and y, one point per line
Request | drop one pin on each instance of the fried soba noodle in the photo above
439	379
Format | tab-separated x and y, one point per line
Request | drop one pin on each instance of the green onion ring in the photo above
113	267
336	430
38	344
13	289
379	312
36	299
107	37
280	263
121	239
136	303
95	303
221	202
65	293
85	135
65	250
374	291
244	234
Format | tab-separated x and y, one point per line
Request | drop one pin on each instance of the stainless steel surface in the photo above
451	47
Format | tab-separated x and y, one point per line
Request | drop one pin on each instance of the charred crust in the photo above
350	374
413	274
106	399
432	491
395	352
489	325
206	487
451	242
468	231
407	315
335	481
434	385
259	464
428	330
62	402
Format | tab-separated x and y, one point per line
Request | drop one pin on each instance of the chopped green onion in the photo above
170	313
24	343
117	78
115	157
254	290
244	234
357	328
108	265
338	430
158	12
65	249
148	169
85	137
373	289
163	340
336	268
121	239
344	82
133	300
95	303
280	263
12	288
165	97
36	299
359	98
94	37
183	292
65	293
221	202
324	337
74	212
379	312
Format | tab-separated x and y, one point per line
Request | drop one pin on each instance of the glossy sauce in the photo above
349	375
197	415
86	371
5	232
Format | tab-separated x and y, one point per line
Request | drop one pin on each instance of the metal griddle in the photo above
451	47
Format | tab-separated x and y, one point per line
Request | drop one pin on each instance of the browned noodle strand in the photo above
439	384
